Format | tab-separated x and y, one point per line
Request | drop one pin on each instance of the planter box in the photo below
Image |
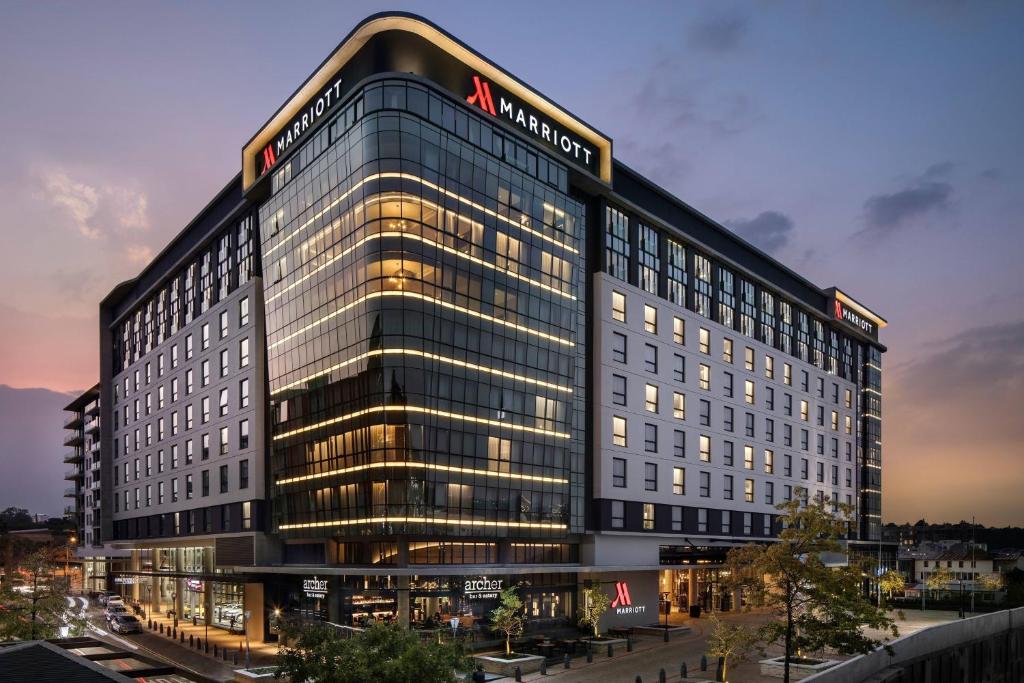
673	631
259	673
775	668
497	664
602	644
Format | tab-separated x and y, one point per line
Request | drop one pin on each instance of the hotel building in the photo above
433	340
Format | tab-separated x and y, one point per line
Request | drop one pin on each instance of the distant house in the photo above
966	563
1007	560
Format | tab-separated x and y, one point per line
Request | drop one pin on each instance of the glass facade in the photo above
424	303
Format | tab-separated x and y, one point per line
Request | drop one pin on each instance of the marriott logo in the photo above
534	123
623	603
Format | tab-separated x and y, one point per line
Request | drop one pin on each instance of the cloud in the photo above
769	230
887	212
718	32
138	254
95	210
928	193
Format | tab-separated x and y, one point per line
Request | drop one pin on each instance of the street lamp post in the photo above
67	560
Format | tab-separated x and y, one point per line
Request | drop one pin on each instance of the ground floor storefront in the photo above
183	584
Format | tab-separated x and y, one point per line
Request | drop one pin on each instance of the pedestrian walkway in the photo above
261	654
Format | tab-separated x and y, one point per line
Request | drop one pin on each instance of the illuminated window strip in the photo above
437	245
423	520
424	297
430	356
424	411
425	183
425	466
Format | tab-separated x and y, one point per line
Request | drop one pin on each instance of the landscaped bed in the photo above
659	630
500	663
799	667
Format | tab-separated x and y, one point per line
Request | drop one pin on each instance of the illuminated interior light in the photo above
430	299
423	411
430	356
443	247
423	520
426	183
425	466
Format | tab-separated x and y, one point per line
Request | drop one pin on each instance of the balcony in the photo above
73	438
73	421
95	466
92	426
93	408
73	474
72	456
69	493
95	447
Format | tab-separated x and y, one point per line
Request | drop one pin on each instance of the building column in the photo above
403	601
253	604
691	592
736	595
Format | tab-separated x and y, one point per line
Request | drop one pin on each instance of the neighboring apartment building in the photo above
433	341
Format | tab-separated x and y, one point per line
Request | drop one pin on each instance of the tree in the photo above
733	644
991	582
939	579
15	518
508	617
382	653
595	603
39	610
1014	580
892	582
816	605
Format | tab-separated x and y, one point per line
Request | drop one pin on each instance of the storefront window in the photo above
228	606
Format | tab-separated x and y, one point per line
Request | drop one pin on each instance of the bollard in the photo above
544	667
638	679
629	643
661	676
610	652
206	645
519	675
719	669
191	640
682	670
567	660
215	649
193	620
224	654
150	624
174	634
703	662
182	638
590	655
161	628
666	635
236	659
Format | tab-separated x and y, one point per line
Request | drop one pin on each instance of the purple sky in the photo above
876	146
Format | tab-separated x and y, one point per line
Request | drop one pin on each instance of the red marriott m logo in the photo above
622	598
839	310
482	96
269	158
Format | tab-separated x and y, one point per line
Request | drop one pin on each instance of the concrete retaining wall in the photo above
989	647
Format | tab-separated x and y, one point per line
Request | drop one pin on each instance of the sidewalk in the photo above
194	660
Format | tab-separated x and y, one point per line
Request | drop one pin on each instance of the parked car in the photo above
114	611
104	596
125	623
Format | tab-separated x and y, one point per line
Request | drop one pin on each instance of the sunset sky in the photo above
875	146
